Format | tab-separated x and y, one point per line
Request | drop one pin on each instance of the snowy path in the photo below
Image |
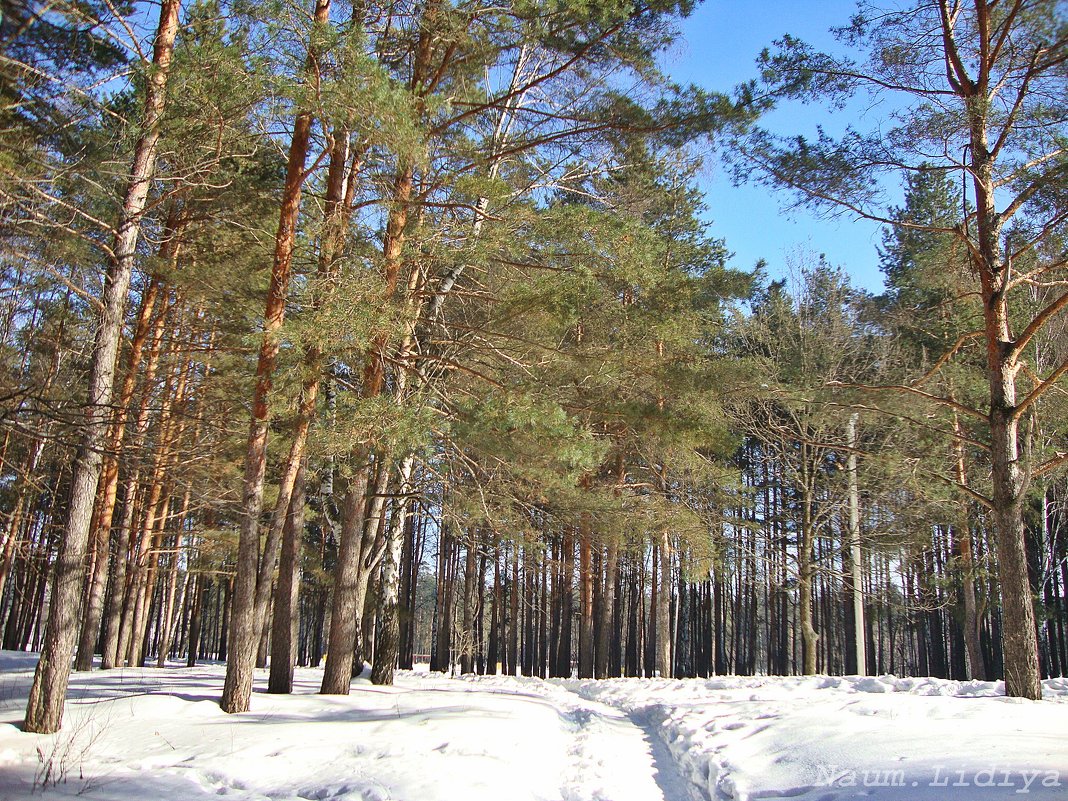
821	738
674	786
159	734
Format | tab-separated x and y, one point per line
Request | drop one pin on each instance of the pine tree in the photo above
980	91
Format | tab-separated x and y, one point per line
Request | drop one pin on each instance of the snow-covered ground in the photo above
825	738
158	734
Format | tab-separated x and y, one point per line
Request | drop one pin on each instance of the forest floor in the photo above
159	734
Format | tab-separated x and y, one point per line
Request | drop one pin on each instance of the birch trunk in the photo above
855	555
388	642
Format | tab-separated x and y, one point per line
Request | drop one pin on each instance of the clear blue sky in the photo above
721	41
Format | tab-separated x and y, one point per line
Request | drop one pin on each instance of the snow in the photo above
159	734
836	738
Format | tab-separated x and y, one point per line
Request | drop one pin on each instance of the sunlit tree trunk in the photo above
244	632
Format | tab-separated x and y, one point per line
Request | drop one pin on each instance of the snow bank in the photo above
836	738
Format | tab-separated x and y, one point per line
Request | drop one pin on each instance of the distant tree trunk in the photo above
961	536
467	644
513	615
806	568
586	639
608	624
44	711
410	559
196	616
167	618
567	574
286	613
663	609
372	549
494	655
114	600
156	515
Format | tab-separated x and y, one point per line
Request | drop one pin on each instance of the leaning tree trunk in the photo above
107	493
334	228
44	711
347	573
244	634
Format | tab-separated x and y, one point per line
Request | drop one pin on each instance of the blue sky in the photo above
721	41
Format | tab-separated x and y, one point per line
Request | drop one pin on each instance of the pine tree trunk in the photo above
286	596
586	639
467	643
131	636
663	609
244	632
117	592
348	600
806	570
167	620
44	711
494	655
410	559
196	620
1019	640
334	231
567	575
107	493
513	615
607	626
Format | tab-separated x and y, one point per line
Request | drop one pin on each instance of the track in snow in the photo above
668	776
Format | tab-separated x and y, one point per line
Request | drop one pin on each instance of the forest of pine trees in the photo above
352	333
